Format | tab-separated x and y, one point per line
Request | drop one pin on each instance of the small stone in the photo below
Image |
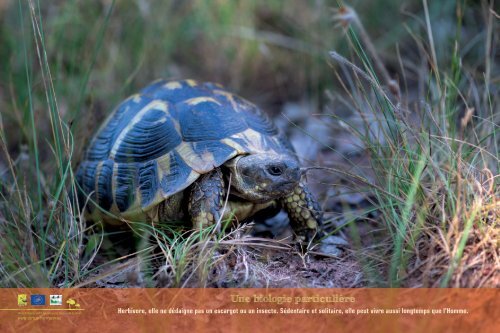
330	249
335	240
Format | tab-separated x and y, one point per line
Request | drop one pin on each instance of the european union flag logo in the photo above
37	299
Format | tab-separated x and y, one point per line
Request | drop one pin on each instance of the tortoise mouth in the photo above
287	185
260	194
280	189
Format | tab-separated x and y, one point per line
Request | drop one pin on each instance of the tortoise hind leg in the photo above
304	212
206	200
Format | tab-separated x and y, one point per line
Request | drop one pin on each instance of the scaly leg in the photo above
304	212
207	199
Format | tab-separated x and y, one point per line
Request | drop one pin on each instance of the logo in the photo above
72	304
37	299
22	299
55	299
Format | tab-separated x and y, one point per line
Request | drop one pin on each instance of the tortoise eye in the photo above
275	170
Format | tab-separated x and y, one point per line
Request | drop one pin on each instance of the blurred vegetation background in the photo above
271	52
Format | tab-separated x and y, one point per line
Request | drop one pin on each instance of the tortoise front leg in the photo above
206	200
304	212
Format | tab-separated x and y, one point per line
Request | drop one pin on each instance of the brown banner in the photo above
250	310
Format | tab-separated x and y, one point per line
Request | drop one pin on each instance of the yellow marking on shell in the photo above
233	144
229	96
252	139
191	83
176	125
113	187
164	164
110	116
160	195
191	178
136	98
208	156
156	104
193	175
200	163
198	100
160	174
161	120
172	85
96	180
135	206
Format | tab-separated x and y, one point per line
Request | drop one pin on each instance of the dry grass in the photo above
467	252
436	166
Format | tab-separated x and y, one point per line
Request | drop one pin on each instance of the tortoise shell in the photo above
158	142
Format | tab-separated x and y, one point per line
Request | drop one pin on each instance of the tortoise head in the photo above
263	177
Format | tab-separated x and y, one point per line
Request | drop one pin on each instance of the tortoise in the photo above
182	147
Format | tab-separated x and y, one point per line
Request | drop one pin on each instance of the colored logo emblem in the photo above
55	299
37	299
72	304
22	299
